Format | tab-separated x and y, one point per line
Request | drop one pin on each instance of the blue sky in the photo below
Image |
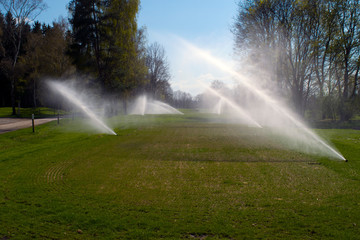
56	8
204	23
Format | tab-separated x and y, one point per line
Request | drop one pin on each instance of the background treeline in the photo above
306	52
100	45
311	48
308	49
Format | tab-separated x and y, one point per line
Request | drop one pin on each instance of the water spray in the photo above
71	96
262	95
236	107
143	105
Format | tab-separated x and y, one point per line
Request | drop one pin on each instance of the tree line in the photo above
100	42
310	50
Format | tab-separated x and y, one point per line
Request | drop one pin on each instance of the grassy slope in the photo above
174	177
27	112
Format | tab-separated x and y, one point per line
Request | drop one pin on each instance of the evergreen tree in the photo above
23	12
86	16
120	30
105	38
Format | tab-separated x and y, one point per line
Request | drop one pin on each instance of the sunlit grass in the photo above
173	177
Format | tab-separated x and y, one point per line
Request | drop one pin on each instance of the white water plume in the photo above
143	105
73	98
234	107
274	114
218	109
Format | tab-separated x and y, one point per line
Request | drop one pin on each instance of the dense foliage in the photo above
101	43
41	53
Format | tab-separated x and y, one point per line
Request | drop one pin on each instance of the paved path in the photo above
12	124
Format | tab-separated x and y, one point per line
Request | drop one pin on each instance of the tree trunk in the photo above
12	93
345	94
97	45
34	93
355	82
346	82
298	102
17	51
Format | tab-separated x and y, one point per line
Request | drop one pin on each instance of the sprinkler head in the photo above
346	160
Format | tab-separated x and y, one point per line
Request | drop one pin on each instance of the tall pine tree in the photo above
106	39
86	23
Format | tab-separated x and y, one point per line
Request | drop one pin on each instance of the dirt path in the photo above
12	124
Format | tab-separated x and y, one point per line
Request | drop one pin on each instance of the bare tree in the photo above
183	99
158	66
23	11
347	44
283	34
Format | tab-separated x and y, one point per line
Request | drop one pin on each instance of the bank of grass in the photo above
174	177
40	112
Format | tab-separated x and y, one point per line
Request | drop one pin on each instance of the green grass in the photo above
41	112
353	123
174	177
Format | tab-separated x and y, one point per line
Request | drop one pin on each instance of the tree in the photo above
140	68
120	53
12	73
304	46
4	83
323	57
86	17
158	72
22	11
105	32
46	54
218	85
346	49
183	100
284	34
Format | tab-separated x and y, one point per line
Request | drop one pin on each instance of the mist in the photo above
250	102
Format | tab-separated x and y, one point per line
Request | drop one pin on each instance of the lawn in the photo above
40	112
174	177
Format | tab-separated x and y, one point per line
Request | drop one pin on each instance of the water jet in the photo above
71	95
144	105
280	113
235	107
